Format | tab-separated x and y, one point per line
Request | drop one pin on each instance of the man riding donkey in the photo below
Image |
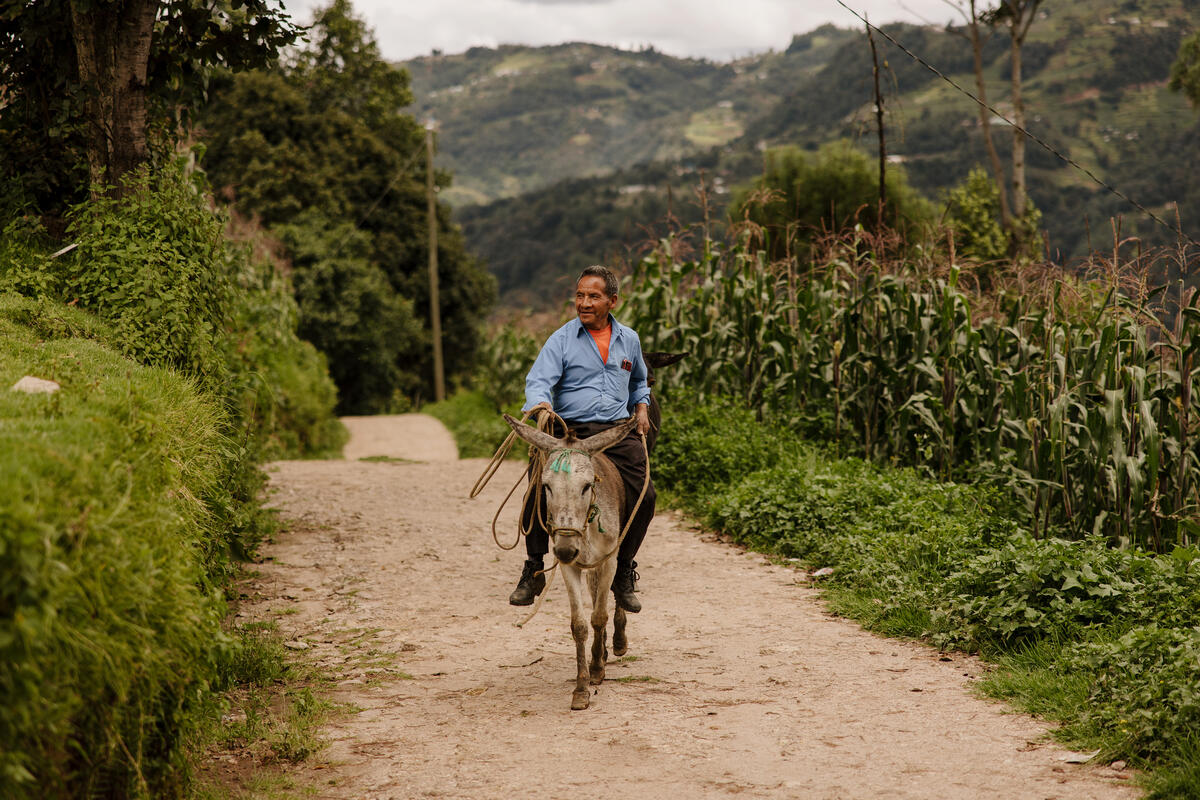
591	372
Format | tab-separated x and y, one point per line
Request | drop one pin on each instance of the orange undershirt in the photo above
602	339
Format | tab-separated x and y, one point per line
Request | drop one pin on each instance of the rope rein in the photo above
545	417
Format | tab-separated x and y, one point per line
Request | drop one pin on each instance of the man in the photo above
592	374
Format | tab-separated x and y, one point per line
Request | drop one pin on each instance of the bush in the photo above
153	263
1145	690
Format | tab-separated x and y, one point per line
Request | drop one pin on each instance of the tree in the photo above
800	195
323	136
1185	72
1017	16
971	15
104	81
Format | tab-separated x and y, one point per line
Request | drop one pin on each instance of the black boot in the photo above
624	585
530	585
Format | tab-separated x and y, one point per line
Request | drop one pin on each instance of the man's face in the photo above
592	304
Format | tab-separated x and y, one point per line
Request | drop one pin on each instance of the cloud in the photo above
715	29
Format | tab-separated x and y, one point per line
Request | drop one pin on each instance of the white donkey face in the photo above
569	480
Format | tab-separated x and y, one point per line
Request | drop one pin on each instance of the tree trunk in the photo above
1020	200
985	120
112	51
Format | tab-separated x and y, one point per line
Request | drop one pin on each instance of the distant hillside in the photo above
523	118
517	118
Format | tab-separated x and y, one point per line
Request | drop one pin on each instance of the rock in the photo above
1118	765
32	385
822	572
296	645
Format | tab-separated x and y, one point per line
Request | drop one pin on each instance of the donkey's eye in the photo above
547	488
586	488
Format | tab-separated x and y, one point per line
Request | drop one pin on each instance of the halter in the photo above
562	463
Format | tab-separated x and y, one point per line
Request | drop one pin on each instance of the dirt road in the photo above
737	682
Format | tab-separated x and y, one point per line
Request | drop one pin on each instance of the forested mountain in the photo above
622	126
514	119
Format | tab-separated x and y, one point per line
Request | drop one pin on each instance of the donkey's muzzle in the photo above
566	551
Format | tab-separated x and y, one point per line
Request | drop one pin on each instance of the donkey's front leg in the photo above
579	630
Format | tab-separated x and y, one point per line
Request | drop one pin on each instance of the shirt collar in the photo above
616	326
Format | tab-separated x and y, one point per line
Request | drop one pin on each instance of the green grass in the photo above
111	495
476	425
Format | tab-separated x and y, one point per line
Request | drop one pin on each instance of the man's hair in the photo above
611	284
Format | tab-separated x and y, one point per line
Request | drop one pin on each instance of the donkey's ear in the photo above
656	360
606	439
539	439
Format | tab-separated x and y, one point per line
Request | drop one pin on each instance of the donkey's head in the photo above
569	478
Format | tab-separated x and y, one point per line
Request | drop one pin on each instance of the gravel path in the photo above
737	681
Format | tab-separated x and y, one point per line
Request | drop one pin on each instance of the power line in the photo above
1024	131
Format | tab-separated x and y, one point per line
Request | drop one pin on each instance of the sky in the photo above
719	30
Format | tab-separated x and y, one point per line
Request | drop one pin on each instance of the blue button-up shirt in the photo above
570	375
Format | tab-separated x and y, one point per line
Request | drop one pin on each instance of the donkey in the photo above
584	498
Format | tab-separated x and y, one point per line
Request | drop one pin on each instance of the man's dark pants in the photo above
630	460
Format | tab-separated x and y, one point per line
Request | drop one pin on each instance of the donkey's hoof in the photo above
580	699
597	676
620	645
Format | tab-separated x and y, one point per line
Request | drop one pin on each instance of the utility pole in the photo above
435	310
879	125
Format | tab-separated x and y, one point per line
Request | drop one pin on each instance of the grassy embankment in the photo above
129	498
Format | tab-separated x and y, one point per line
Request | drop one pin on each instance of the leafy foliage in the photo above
504	362
155	265
1185	71
320	146
114	540
44	120
973	213
801	196
349	310
944	562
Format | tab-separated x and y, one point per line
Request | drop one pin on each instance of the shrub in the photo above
153	264
1145	690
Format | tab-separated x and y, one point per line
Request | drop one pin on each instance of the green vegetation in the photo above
94	93
800	196
131	494
1185	70
119	507
498	386
475	423
319	151
1098	639
1058	397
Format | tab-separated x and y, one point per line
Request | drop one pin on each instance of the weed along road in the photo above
737	682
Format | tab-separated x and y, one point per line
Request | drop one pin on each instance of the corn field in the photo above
1078	402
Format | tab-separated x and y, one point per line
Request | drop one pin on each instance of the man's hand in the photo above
542	405
642	413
